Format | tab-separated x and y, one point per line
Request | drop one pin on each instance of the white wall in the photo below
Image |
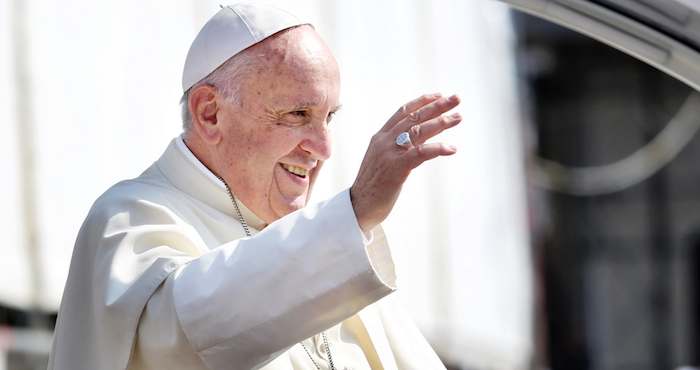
15	283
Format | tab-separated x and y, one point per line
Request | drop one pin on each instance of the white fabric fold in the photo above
313	260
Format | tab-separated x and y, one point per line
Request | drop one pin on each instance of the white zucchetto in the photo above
231	30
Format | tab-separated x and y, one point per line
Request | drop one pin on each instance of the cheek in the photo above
277	141
265	148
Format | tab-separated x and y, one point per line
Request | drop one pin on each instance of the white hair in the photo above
227	78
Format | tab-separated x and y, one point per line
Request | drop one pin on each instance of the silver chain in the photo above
235	205
328	351
248	233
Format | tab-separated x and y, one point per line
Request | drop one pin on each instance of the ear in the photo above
204	107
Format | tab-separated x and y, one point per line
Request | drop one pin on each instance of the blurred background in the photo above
563	235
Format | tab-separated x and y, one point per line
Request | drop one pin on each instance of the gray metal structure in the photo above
662	33
634	250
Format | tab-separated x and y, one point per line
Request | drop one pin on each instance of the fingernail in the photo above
454	97
456	116
452	148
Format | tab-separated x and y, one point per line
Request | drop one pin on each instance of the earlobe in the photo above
204	108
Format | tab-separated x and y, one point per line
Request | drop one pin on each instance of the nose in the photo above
317	142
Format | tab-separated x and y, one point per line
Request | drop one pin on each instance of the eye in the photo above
294	118
299	113
330	116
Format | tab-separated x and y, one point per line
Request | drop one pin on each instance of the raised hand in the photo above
386	164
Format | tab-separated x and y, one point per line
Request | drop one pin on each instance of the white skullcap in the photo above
231	30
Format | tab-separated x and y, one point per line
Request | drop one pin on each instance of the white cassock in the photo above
163	277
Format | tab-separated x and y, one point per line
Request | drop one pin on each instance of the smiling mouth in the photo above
296	171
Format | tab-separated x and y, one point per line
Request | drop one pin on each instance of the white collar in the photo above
188	174
180	143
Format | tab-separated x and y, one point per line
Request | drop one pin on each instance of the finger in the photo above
425	152
409	107
427	112
424	131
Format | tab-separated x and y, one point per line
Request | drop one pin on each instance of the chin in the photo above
284	209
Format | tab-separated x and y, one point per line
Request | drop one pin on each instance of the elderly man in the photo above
212	259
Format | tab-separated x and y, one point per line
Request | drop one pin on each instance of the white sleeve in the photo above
247	301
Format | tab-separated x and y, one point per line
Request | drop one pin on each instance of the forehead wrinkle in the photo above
289	103
288	61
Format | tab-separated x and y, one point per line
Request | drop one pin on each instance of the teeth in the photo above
295	170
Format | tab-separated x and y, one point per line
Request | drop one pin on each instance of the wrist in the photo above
363	219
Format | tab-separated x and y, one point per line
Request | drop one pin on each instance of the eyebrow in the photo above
303	106
279	112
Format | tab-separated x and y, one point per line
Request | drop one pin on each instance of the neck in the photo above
200	151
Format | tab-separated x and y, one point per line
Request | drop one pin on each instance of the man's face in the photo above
275	137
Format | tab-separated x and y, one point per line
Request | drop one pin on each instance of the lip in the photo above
304	166
294	178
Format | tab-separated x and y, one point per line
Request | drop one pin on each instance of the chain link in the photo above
328	352
309	354
235	205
